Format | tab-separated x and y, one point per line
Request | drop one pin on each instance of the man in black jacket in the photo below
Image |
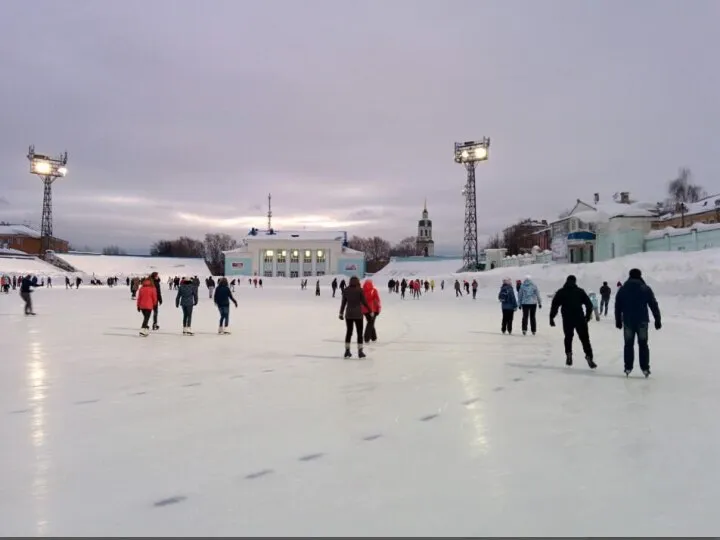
631	315
605	293
156	281
570	300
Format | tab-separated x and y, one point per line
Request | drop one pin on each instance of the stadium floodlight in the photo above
48	169
469	154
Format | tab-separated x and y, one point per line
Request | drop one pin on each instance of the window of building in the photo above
308	256
281	256
320	274
307	273
320	255
280	273
269	255
268	273
293	273
294	256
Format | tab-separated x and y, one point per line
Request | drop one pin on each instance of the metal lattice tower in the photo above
470	240
48	169
269	214
46	224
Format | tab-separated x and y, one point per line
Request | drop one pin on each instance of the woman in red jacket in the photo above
147	299
373	299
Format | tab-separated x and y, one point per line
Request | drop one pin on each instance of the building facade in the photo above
705	211
425	244
294	254
28	240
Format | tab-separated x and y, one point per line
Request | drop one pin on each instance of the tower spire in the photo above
425	207
269	214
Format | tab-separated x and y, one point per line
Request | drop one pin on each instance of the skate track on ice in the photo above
447	428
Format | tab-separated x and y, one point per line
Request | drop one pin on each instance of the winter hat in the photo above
635	273
571	279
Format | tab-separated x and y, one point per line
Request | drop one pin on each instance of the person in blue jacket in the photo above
631	316
222	298
529	301
509	305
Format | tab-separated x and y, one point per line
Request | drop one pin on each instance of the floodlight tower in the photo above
469	154
48	169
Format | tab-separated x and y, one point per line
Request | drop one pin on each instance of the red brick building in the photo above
28	240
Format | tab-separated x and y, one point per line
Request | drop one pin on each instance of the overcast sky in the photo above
180	116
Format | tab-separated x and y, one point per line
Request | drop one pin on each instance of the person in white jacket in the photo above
529	301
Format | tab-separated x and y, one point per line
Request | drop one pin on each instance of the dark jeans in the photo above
604	303
358	324
146	317
224	315
370	334
507	320
581	327
155	315
27	297
474	293
641	331
529	311
187	316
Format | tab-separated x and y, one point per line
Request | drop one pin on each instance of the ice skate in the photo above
646	372
156	327
144	332
524	332
628	372
348	354
361	353
591	363
189	331
220	330
226	331
568	359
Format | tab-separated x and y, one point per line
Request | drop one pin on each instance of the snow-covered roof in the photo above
12	252
672	231
298	235
604	212
18	230
703	205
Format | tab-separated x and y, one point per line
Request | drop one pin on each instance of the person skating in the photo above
570	300
595	304
26	287
210	282
530	302
605	292
458	290
509	305
134	286
631	315
474	288
372	297
147	299
317	288
353	300
156	281
334	286
222	298
403	288
187	298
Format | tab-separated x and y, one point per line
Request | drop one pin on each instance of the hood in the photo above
147	283
368	285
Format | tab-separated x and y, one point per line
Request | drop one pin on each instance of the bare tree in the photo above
376	250
113	250
214	245
181	247
494	242
682	191
407	247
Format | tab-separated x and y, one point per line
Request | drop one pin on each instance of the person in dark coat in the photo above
509	305
334	286
605	292
187	298
570	300
317	288
156	281
631	315
351	308
26	286
222	298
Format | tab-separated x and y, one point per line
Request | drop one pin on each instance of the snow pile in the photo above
672	231
29	265
419	267
123	265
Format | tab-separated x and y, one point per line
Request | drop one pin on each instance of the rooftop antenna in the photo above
269	214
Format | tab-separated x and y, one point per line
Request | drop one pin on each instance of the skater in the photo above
570	300
508	303
134	286
147	300
458	290
631	315
334	286
529	300
474	288
403	288
26	286
317	287
158	301
518	284
353	301
605	292
210	282
343	285
222	297
372	296
187	297
595	304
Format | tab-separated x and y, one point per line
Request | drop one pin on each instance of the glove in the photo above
139	310
160	302
341	317
235	304
552	322
658	325
539	306
618	325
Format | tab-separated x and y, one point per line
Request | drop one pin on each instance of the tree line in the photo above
378	251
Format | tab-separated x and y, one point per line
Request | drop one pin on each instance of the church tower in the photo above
425	244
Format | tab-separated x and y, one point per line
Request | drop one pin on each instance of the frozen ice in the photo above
447	428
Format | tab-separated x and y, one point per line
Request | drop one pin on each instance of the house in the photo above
705	210
27	239
601	231
523	236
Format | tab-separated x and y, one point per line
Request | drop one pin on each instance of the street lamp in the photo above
48	169
469	154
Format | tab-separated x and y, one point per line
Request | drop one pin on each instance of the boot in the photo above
568	359
144	332
348	354
361	353
189	331
646	373
185	330
226	331
220	330
591	364
156	327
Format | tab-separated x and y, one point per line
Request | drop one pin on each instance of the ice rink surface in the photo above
447	428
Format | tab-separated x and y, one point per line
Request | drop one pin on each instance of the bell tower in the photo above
424	243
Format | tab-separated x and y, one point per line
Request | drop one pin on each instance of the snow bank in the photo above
123	265
29	265
418	267
668	272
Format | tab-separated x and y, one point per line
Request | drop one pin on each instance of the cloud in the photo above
183	120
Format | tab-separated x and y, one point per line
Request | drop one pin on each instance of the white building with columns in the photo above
293	254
